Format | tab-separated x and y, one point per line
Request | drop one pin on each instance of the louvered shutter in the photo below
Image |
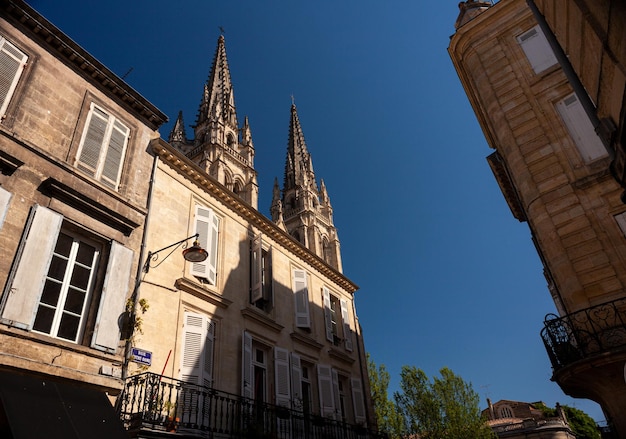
328	322
207	225
301	297
114	155
192	348
93	140
347	331
281	369
296	380
27	276
106	334
580	128
12	62
358	401
537	49
325	386
5	199
246	365
256	270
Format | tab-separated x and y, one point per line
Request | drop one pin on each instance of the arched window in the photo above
230	140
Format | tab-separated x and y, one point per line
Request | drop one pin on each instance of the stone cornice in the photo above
29	21
193	173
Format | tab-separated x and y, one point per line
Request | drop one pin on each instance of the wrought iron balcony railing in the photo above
585	333
156	403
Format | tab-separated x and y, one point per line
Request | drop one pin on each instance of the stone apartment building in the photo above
268	316
74	180
523	420
546	80
252	330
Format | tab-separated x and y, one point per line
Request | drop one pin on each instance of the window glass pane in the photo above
75	300
68	328
85	254
80	277
43	321
57	268
64	245
51	292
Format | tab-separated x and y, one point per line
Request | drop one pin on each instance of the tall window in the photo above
67	288
12	62
537	49
301	298
261	283
51	282
103	147
336	315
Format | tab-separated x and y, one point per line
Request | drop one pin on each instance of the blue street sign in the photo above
142	357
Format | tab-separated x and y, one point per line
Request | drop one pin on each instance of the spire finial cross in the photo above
222	31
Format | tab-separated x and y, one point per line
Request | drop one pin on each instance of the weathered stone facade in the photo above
48	189
555	150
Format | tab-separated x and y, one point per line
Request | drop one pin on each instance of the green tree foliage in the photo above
445	408
583	426
387	416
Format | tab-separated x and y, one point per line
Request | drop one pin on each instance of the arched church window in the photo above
230	140
326	250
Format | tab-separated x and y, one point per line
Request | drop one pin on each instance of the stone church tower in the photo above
304	210
223	149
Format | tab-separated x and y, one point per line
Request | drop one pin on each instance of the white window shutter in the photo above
347	331
327	314
92	142
301	296
537	49
281	374
246	365
256	271
296	380
5	200
33	258
113	160
12	62
192	351
358	401
207	225
580	128
325	386
106	334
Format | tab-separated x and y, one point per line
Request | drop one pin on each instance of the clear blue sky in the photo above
447	276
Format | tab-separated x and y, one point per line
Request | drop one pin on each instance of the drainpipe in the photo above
134	298
588	105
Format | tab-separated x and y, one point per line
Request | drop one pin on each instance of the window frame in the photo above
112	123
17	75
261	276
30	266
206	223
300	288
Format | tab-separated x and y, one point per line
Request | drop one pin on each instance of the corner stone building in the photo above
546	81
74	180
261	338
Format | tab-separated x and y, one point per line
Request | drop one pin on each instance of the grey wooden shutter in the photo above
328	322
209	347
345	317
31	264
246	365
325	386
256	270
357	401
5	200
537	49
301	297
281	374
106	334
296	380
580	129
338	412
12	62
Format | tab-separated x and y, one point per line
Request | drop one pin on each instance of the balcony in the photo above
156	406
585	334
